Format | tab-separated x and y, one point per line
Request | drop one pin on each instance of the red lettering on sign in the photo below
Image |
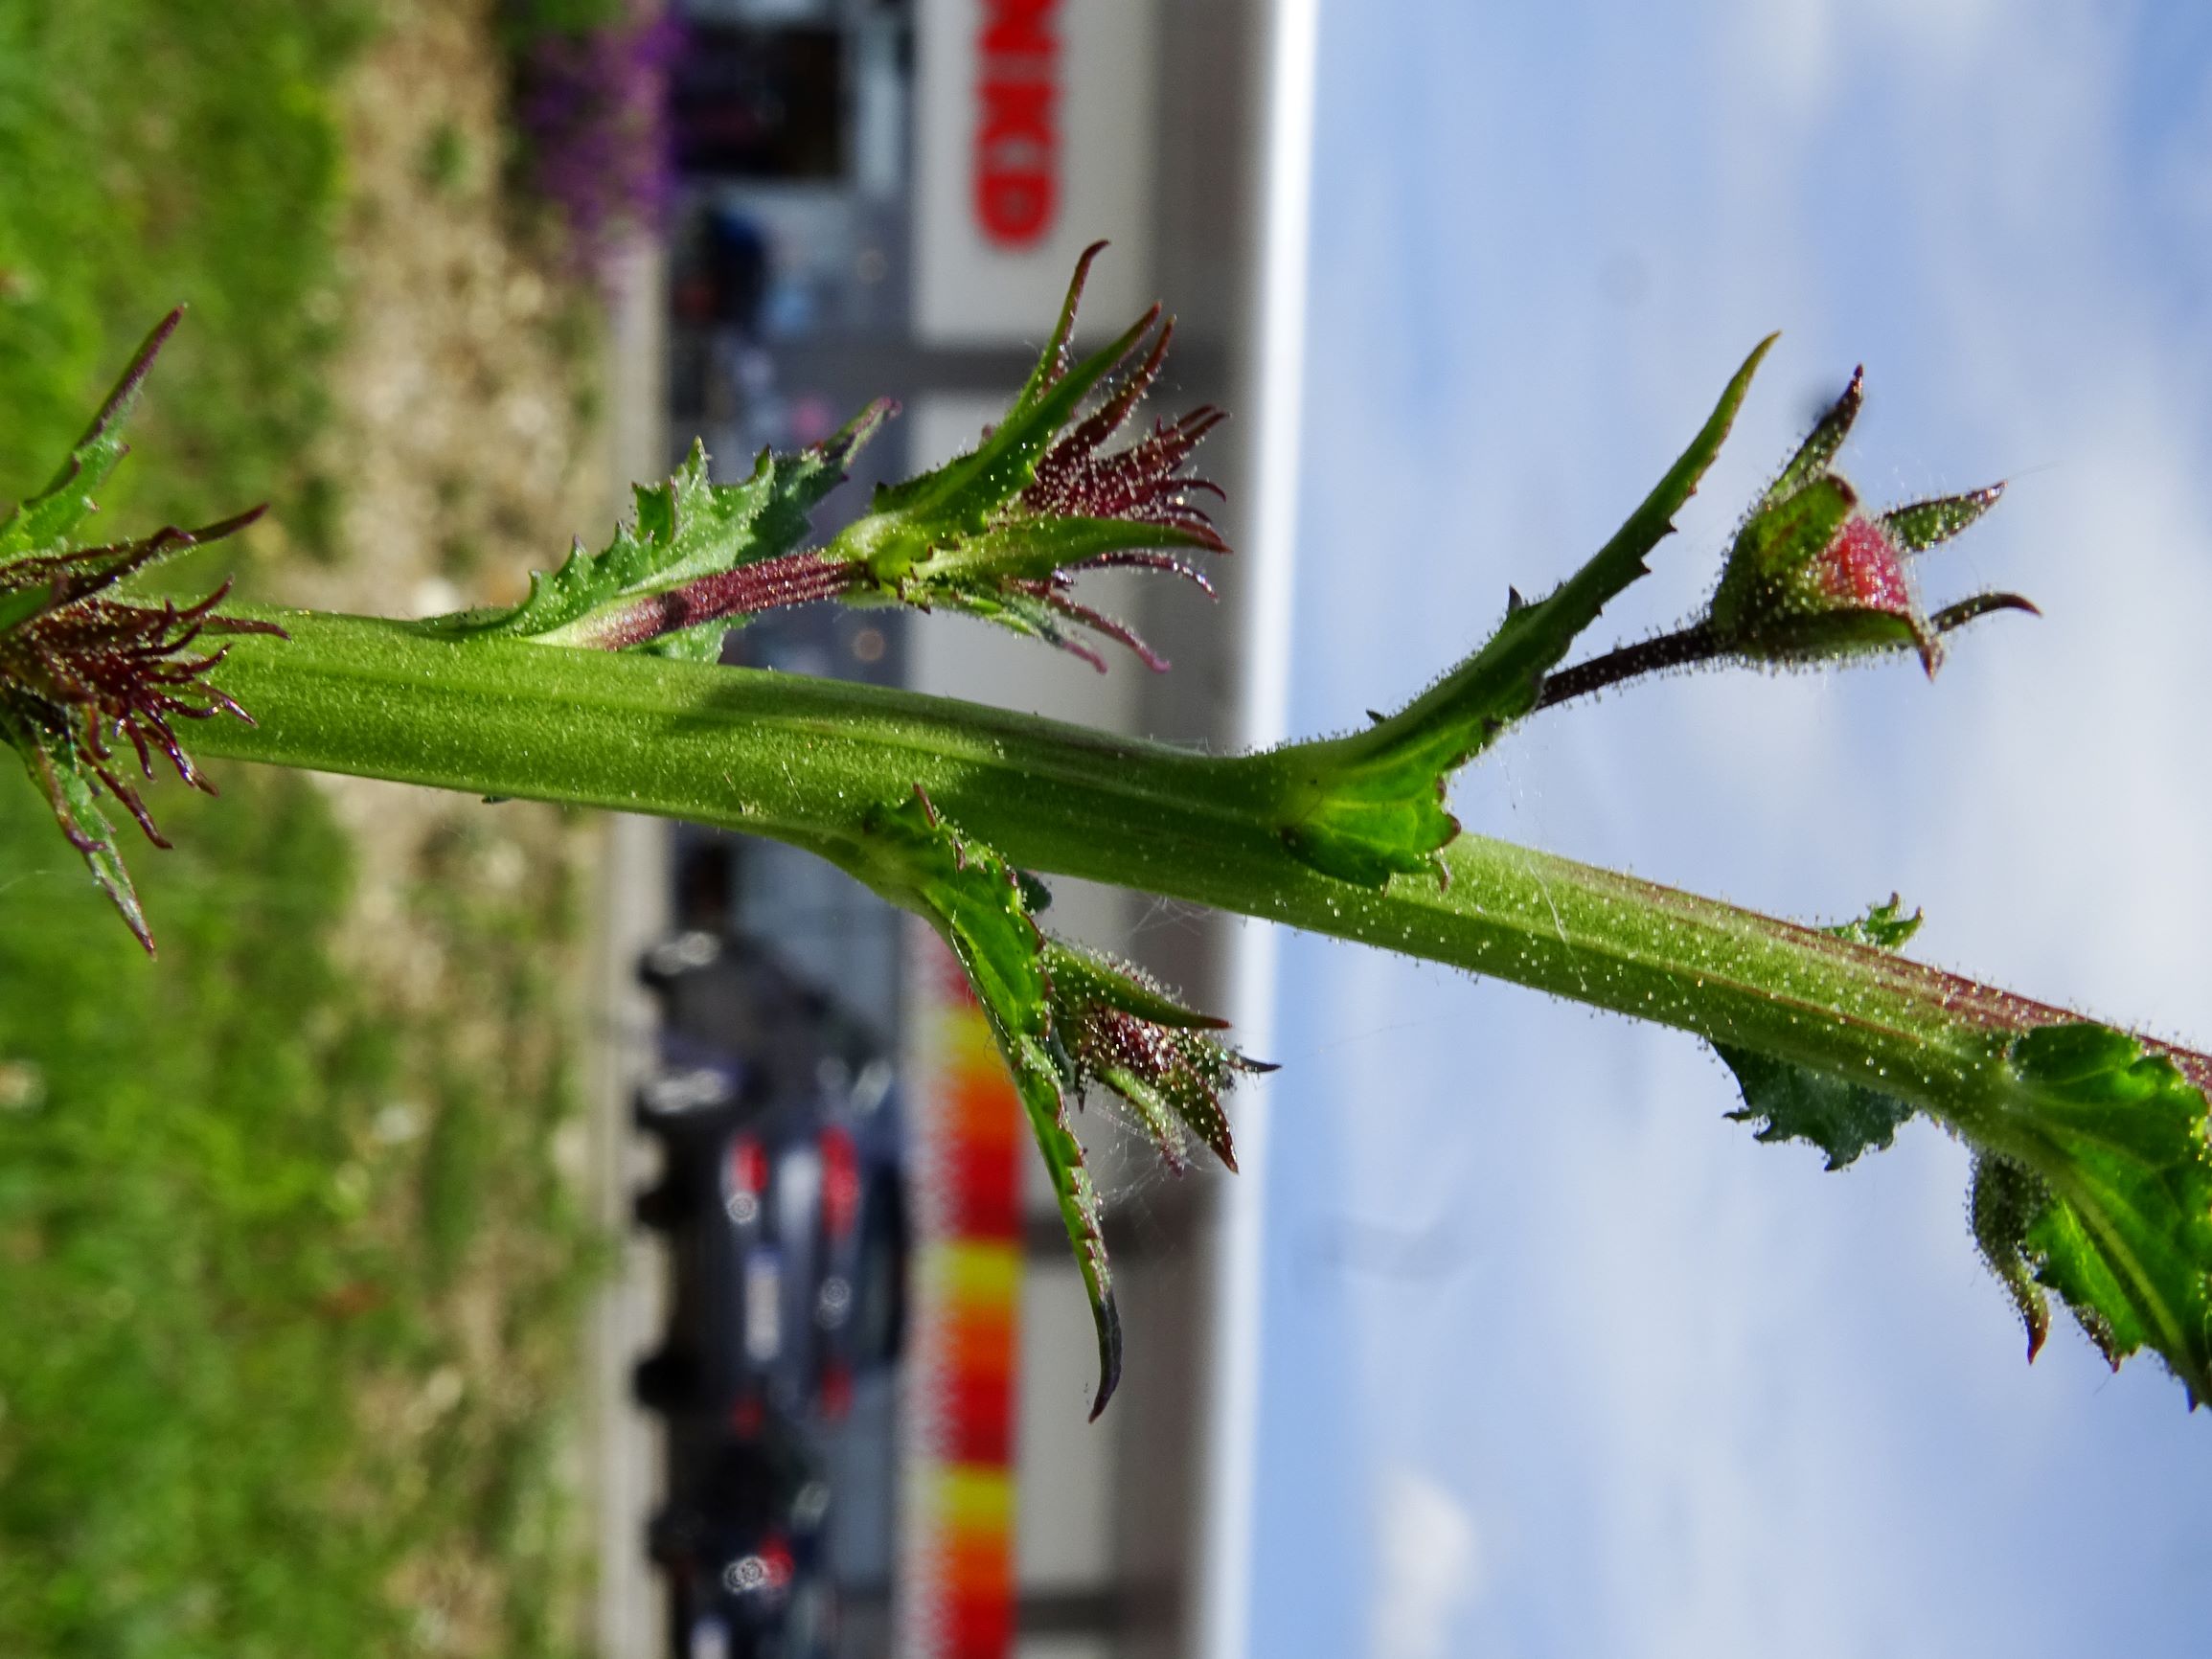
1016	26
1018	120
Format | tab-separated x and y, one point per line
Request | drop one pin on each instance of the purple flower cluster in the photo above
592	105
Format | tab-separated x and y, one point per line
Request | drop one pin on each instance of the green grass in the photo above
155	152
251	1217
214	1247
171	1218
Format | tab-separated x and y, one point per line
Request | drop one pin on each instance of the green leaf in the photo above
1793	1103
1821	444
2116	1135
1064	1019
51	759
681	531
1786	533
44	522
702	643
1884	926
2092	1178
1036	547
975	900
1370	805
1924	524
2003	1203
22	604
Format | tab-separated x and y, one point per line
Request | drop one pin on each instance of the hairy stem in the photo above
1695	644
790	578
804	761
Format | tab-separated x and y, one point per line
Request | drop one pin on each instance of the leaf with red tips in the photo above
1117	1028
968	491
1064	1019
1001	531
84	672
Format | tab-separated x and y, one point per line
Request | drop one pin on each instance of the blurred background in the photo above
488	1230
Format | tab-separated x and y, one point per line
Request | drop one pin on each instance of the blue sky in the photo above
1558	1360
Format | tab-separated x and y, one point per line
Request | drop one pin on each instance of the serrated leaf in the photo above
1369	806
2117	1135
2093	1177
1884	926
45	521
974	900
679	532
1791	1104
688	526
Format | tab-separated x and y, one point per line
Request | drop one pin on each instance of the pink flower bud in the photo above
1813	577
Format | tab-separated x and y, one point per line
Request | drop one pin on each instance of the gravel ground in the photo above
467	449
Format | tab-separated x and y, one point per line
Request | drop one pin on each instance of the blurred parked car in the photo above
782	1202
786	1224
746	1577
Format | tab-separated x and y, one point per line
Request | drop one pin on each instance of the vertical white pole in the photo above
1274	393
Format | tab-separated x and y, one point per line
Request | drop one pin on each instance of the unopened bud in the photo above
1812	575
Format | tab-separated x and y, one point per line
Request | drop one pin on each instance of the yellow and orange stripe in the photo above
956	1592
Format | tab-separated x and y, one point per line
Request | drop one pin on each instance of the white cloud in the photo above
1430	1566
1790	46
1802	49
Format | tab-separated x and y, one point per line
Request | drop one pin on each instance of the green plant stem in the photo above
804	761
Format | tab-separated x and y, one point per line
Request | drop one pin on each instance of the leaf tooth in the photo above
2002	1203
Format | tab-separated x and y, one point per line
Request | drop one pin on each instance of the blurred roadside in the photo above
304	1234
295	1244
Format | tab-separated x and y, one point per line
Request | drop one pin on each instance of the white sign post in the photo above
1034	129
